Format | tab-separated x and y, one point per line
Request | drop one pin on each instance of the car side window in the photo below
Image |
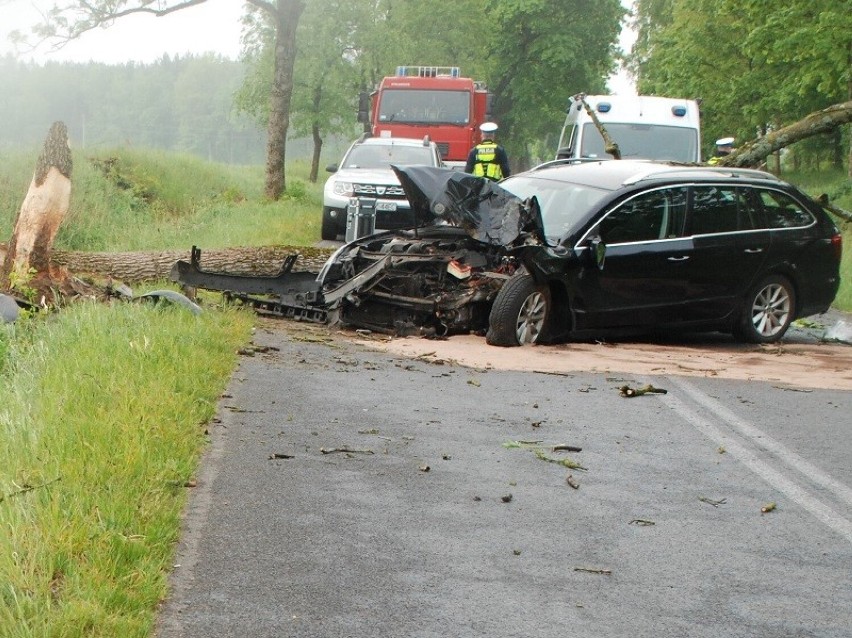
654	215
722	209
782	211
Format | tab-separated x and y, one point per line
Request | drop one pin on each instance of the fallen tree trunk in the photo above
754	152
135	267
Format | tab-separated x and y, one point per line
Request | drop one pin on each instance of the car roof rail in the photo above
562	161
692	170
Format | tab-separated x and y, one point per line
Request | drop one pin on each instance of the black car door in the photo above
643	280
729	247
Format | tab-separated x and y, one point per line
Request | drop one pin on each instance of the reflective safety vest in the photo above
486	166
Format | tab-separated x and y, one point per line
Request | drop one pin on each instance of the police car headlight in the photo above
344	188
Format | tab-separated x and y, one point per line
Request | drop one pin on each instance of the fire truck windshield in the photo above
421	106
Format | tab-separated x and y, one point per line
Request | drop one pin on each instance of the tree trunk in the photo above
45	206
135	267
285	16
315	158
824	121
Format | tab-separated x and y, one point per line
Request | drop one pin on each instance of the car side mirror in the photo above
331	168
598	248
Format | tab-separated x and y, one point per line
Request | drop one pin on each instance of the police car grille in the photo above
371	190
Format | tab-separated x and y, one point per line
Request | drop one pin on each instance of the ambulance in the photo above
643	127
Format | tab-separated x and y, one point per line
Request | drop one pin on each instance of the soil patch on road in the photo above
803	360
794	365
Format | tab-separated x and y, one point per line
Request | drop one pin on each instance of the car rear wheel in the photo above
767	311
329	226
520	313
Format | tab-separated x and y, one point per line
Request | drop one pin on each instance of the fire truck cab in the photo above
428	101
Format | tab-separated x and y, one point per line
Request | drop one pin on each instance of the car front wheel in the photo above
767	311
520	313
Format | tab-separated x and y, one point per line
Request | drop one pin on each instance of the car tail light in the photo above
837	244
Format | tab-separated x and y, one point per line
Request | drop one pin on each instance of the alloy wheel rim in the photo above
531	319
770	310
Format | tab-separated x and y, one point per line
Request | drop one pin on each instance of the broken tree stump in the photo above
47	201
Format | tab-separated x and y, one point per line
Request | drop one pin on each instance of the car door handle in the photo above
682	258
753	251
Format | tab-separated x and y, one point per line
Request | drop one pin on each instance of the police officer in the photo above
488	159
724	147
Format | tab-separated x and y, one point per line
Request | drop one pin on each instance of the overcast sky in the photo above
211	26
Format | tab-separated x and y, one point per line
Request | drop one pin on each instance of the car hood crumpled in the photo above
489	213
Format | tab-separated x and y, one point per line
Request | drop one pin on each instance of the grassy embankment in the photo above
102	407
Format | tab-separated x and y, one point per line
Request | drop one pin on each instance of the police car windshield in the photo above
382	156
563	205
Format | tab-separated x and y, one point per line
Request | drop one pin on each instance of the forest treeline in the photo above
181	104
756	65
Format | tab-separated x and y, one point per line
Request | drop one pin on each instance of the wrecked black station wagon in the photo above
571	248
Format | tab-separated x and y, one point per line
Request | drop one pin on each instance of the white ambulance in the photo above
642	126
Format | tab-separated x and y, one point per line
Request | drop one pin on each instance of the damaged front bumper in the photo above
439	278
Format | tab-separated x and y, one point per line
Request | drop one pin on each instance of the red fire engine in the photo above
428	100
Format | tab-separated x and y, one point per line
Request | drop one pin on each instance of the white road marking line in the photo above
775	479
760	438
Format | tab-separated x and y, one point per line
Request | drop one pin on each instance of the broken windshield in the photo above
562	204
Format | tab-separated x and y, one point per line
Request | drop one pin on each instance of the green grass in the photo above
838	186
102	413
124	200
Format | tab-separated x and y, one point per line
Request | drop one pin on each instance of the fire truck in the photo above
433	101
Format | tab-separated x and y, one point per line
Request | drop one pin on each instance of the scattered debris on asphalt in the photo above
712	502
345	450
627	391
562	447
279	455
570	480
589	570
769	507
641	522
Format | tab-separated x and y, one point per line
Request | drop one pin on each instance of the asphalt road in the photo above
430	526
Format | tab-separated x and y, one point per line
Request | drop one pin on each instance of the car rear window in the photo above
782	211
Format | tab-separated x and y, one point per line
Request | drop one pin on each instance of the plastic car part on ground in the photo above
840	331
9	310
171	296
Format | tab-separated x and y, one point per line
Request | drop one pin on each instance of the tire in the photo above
329	226
520	313
767	311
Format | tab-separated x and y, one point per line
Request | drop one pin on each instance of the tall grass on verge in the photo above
839	189
102	413
130	199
